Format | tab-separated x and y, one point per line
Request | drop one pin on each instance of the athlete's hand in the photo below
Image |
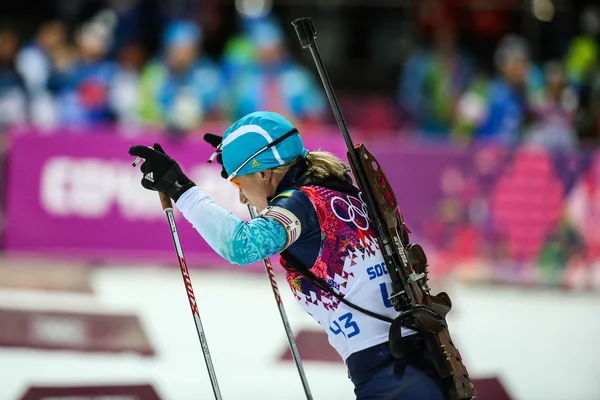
215	141
161	172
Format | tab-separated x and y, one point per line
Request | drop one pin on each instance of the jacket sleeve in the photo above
237	241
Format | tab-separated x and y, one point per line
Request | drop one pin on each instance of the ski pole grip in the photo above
165	201
306	31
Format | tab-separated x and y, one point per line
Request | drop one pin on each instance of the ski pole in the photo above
284	320
168	209
167	206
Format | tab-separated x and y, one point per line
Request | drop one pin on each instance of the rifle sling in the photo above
305	272
344	186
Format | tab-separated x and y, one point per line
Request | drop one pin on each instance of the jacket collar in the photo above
290	177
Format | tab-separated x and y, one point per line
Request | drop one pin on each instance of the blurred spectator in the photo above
496	110
588	114
432	82
584	74
12	89
239	52
125	96
264	77
35	64
183	87
128	24
582	55
553	112
85	83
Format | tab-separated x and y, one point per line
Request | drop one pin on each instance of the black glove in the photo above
161	172
215	141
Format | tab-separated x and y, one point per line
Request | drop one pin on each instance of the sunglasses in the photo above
236	185
259	151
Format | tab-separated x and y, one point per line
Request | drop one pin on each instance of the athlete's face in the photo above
255	188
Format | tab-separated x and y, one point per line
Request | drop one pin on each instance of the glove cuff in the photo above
178	189
174	183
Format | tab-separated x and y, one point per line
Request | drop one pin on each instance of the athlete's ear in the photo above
266	175
243	198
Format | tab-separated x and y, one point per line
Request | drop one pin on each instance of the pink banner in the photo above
78	195
490	213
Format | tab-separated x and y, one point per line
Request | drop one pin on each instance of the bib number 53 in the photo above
345	326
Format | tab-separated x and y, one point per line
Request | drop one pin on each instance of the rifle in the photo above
406	263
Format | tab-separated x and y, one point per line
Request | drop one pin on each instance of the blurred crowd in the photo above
50	81
87	79
552	103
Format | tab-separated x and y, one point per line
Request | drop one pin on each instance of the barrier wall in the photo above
509	215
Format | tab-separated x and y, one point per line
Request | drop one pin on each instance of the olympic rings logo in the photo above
357	214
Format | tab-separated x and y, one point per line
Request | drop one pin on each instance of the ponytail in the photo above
321	165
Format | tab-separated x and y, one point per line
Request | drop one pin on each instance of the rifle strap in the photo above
344	186
305	272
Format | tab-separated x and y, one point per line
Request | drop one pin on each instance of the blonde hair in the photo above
321	164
